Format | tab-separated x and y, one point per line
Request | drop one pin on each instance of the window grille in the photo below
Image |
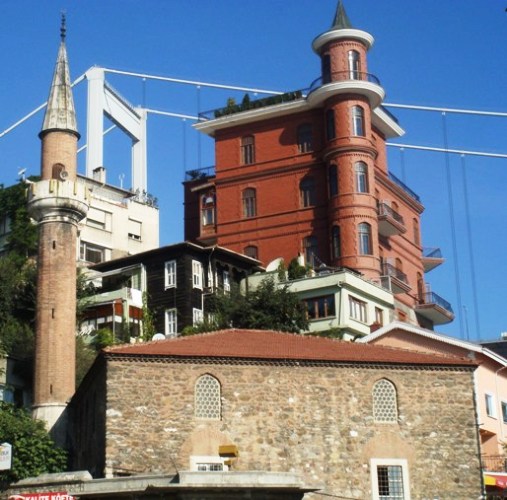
207	398
385	407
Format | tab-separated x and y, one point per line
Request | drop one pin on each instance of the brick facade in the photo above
331	222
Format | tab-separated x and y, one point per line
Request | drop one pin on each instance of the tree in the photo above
268	307
33	451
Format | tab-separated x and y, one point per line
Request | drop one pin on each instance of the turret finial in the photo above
63	27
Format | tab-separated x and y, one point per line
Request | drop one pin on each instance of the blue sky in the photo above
433	53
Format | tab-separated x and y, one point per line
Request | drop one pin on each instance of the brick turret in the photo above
57	203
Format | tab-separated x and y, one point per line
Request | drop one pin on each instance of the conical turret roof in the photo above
60	111
341	20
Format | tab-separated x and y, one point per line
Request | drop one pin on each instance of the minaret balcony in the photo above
433	307
57	200
393	279
431	258
390	222
346	82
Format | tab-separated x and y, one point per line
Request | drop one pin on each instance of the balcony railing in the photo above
433	298
432	253
385	209
343	76
248	105
394	272
403	186
200	173
494	463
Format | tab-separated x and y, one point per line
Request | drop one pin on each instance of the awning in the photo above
496	480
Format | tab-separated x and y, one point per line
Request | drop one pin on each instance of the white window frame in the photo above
196	460
197	274
170	274
171	322
397	462
358	309
490	408
197	316
227	280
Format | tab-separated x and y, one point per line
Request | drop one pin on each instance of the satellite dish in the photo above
158	336
274	265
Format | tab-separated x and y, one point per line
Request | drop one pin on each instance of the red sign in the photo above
42	496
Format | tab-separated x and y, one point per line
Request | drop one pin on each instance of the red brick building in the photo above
305	174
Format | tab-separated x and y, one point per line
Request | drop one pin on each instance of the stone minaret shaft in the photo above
57	203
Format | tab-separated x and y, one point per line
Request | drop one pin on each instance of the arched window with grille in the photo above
207	395
385	402
305	138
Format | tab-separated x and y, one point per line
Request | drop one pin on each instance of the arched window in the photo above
249	203
251	251
358	121
330	128
417	234
354	65
311	248
420	288
208	209
247	150
333	179
361	171
326	68
207	398
399	264
365	246
305	136
385	404
336	242
307	192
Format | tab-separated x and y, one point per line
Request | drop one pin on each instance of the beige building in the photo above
351	420
118	223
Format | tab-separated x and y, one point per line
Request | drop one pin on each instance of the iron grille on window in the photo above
390	482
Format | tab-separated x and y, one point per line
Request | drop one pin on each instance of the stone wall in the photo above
313	420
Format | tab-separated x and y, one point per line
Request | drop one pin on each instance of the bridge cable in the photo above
453	224
470	249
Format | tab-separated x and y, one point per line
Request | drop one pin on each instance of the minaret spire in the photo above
60	111
341	20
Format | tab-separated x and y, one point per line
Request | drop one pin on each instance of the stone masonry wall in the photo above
313	420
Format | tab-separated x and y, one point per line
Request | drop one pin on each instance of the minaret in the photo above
348	95
57	202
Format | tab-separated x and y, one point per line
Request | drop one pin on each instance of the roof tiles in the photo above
270	345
